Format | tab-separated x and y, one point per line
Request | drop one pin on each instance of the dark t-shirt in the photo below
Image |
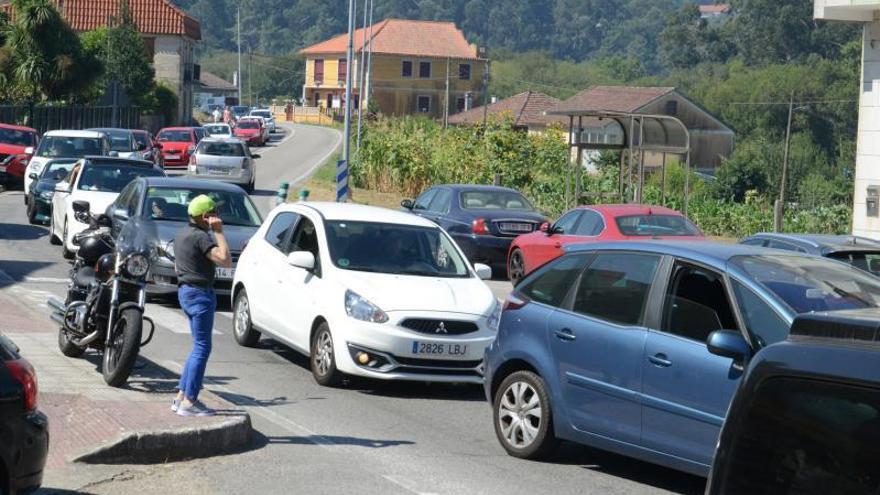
191	248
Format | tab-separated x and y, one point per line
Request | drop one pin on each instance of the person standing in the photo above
197	254
217	115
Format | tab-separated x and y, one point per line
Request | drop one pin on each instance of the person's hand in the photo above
215	223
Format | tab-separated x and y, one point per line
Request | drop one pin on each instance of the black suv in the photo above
24	431
806	418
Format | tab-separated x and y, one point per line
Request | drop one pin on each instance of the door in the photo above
265	264
544	248
420	206
599	343
438	208
297	298
686	390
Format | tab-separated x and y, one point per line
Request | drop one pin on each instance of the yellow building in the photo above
419	67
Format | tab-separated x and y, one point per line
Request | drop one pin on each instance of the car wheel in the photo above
242	326
522	416
32	213
516	267
66	253
323	358
53	239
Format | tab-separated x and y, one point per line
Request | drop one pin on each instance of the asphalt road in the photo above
368	437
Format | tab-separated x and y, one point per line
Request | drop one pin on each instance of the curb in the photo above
155	447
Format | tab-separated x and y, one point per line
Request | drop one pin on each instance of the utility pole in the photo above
362	72
446	110
239	53
250	75
486	94
779	210
342	190
368	84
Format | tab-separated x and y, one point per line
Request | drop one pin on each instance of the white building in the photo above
866	217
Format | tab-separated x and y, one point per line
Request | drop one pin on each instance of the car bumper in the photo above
42	209
175	163
162	281
29	447
242	178
488	249
391	350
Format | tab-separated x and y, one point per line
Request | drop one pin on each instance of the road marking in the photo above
46	280
405	484
320	161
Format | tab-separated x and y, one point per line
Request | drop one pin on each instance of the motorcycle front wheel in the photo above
66	346
122	352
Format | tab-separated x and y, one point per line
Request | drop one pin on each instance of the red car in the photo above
177	144
15	141
594	224
251	131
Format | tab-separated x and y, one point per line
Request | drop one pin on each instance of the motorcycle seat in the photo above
84	276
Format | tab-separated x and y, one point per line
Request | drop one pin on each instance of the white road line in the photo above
46	280
405	484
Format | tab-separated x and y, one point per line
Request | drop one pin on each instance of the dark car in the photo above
861	252
483	220
42	188
806	418
161	204
24	430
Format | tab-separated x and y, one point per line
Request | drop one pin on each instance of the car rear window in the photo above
248	124
868	261
221	149
176	136
495	200
70	147
656	225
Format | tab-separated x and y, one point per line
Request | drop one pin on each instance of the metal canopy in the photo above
637	134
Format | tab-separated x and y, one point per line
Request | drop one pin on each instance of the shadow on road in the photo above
419	390
262	440
151	378
20	232
244	400
18	270
59	491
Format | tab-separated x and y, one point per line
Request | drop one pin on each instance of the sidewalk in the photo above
90	421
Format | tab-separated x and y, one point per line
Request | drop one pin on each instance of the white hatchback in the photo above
365	291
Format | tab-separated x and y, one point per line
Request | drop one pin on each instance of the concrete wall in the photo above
868	142
172	57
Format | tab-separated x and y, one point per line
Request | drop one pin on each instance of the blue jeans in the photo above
199	306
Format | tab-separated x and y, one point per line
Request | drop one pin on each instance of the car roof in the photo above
823	241
476	187
17	127
114	160
361	213
108	129
169	182
708	251
74	133
631	209
176	129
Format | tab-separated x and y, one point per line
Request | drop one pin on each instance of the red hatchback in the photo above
14	142
250	131
594	224
177	143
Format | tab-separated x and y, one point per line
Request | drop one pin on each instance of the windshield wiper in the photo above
843	293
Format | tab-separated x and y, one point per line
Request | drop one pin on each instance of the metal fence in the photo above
48	118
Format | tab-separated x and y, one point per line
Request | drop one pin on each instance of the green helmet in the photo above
200	205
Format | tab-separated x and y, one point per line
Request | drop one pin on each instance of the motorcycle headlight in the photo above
361	309
494	320
137	265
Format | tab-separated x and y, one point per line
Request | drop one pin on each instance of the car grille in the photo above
509	227
439	327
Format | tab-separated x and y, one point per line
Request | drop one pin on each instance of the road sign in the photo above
341	181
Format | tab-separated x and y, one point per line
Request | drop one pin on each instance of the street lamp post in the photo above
342	189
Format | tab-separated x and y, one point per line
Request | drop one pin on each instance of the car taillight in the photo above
478	226
514	301
192	160
23	373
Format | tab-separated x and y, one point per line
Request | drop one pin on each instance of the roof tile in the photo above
627	99
527	109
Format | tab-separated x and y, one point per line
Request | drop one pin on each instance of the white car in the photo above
266	116
365	291
218	130
64	144
98	180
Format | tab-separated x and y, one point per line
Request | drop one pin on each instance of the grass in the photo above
322	187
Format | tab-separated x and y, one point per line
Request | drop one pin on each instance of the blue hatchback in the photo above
638	347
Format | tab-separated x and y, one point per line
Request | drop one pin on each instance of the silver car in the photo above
224	159
266	115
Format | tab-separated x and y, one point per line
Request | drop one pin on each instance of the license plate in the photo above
172	157
516	227
224	273
218	171
436	349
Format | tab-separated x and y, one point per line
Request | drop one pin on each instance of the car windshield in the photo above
217	129
169	204
113	178
17	137
806	283
495	200
394	249
175	136
262	113
868	261
120	142
239	110
69	147
58	170
248	124
656	225
221	149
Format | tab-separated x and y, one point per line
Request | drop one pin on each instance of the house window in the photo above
464	72
672	107
406	68
425	70
459	103
343	69
423	104
319	71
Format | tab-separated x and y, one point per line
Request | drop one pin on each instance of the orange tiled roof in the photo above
150	16
527	109
404	37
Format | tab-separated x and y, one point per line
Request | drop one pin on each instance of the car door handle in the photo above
660	360
565	335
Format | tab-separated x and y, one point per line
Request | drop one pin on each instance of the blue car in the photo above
638	347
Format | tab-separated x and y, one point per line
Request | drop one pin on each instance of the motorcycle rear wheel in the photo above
122	352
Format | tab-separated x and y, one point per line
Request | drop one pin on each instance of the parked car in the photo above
224	159
266	115
638	347
161	202
97	180
12	170
806	417
594	224
251	131
365	291
24	429
177	144
39	204
239	111
65	144
483	220
150	150
861	252
15	141
122	142
219	130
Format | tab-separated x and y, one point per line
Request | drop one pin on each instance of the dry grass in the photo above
322	187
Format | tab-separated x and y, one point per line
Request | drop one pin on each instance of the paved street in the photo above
368	437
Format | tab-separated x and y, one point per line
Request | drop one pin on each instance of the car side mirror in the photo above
484	272
29	150
254	155
120	213
729	344
545	227
80	206
302	259
62	187
407	203
33	176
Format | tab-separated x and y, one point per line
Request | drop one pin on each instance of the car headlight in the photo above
137	265
494	320
361	309
47	195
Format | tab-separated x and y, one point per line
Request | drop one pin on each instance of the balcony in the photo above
846	10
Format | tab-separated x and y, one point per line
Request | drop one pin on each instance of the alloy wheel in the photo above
242	316
324	353
517	269
519	414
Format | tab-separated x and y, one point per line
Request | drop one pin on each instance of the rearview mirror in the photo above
62	187
484	272
120	213
729	344
80	206
407	204
302	259
33	176
29	150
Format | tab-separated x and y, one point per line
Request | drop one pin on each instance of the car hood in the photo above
236	236
12	149
98	200
411	293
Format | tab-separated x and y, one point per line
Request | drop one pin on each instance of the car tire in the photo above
65	253
522	416
322	359
516	267
66	346
242	325
31	213
249	188
53	239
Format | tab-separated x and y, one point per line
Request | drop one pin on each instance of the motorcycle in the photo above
104	307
